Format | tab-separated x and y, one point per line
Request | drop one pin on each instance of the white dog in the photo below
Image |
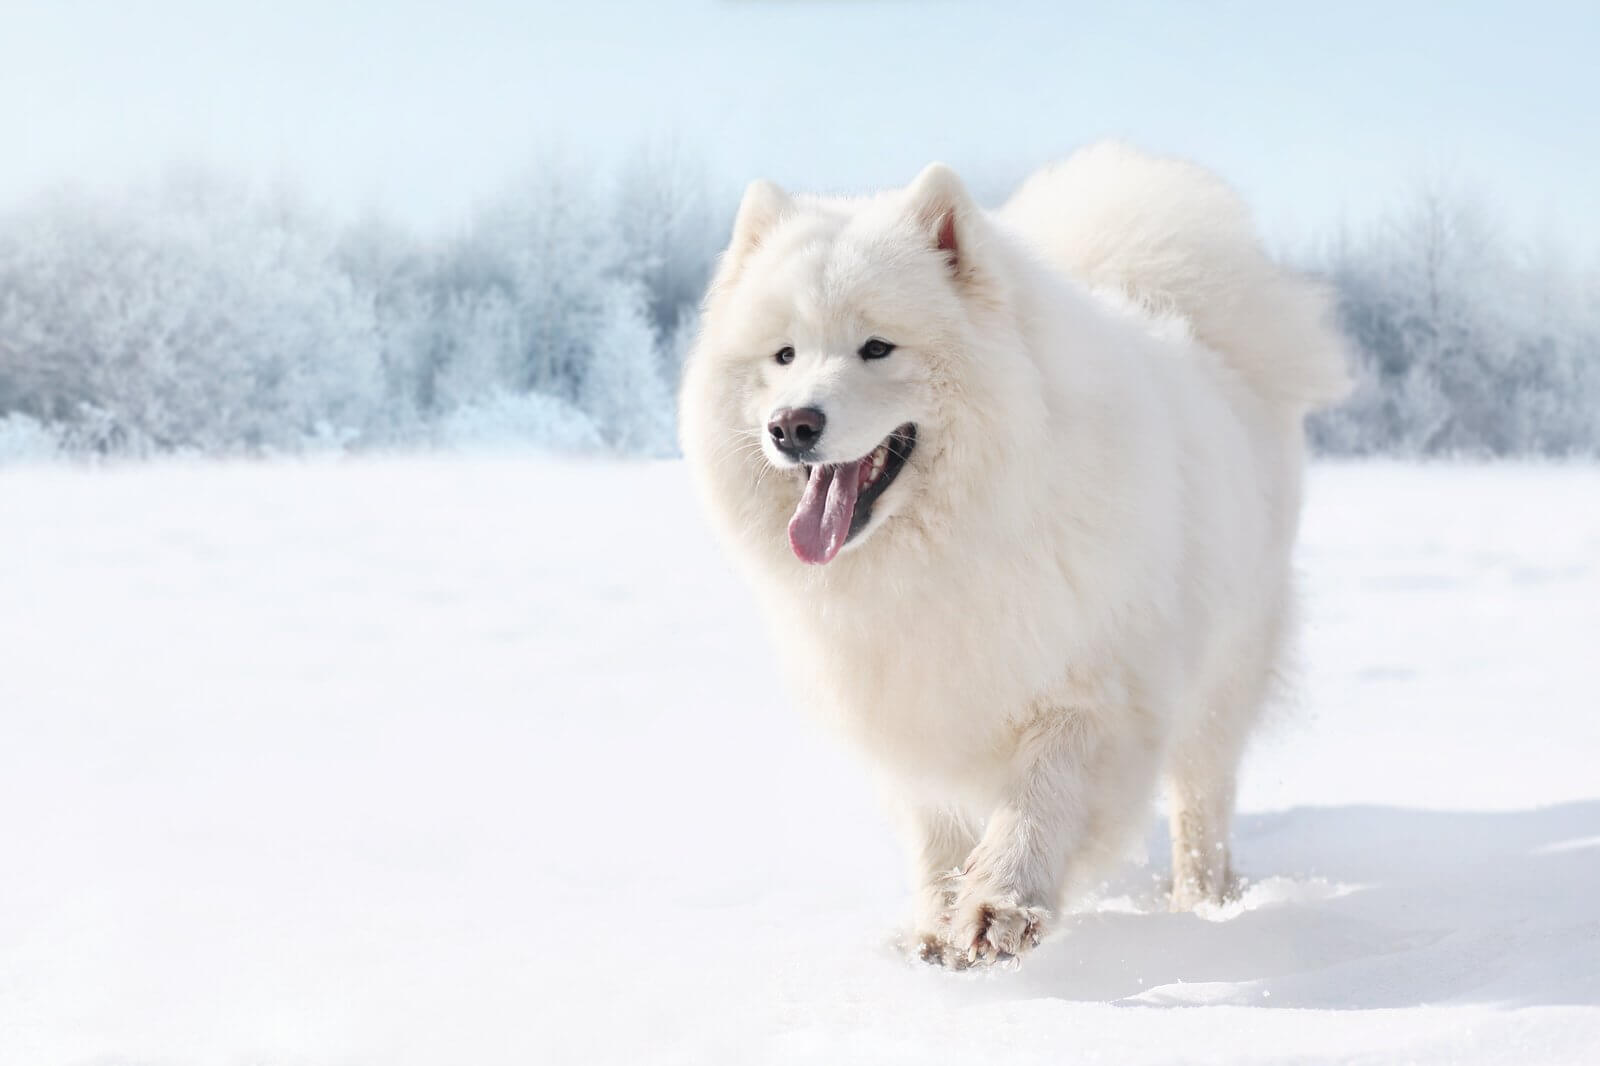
1019	492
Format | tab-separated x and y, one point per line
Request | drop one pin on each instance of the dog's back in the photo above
1175	239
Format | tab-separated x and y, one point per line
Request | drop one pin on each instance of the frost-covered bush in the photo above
26	439
525	421
624	389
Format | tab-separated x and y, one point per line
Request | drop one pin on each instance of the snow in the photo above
483	761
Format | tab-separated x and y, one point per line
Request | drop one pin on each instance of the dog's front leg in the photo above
940	840
1072	779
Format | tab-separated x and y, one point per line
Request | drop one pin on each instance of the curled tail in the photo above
1174	238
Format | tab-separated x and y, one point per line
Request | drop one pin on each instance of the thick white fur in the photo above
1081	581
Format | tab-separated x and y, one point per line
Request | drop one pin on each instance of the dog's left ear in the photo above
941	208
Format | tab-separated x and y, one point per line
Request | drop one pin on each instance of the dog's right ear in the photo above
762	208
763	205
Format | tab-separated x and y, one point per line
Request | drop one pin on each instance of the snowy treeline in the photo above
198	316
1464	342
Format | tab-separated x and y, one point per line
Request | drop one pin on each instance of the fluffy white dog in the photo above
1018	491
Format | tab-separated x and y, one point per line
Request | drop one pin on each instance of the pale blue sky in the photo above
1318	112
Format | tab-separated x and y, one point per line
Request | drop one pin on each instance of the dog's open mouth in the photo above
838	499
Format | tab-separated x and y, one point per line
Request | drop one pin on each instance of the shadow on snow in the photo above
1352	908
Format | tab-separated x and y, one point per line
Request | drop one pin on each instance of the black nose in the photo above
796	430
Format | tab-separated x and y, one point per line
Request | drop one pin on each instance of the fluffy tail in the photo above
1175	239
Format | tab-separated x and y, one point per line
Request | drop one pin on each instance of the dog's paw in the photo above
932	949
989	929
959	926
1193	893
927	938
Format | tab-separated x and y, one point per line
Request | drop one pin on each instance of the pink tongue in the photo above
822	521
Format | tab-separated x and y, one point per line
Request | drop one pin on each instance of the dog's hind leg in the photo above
1201	782
1202	776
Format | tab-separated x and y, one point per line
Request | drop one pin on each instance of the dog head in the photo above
835	358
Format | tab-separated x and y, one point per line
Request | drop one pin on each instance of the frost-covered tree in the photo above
672	225
1465	343
543	294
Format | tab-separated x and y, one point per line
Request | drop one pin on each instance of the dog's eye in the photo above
785	356
876	349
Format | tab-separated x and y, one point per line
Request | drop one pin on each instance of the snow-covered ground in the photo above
483	761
